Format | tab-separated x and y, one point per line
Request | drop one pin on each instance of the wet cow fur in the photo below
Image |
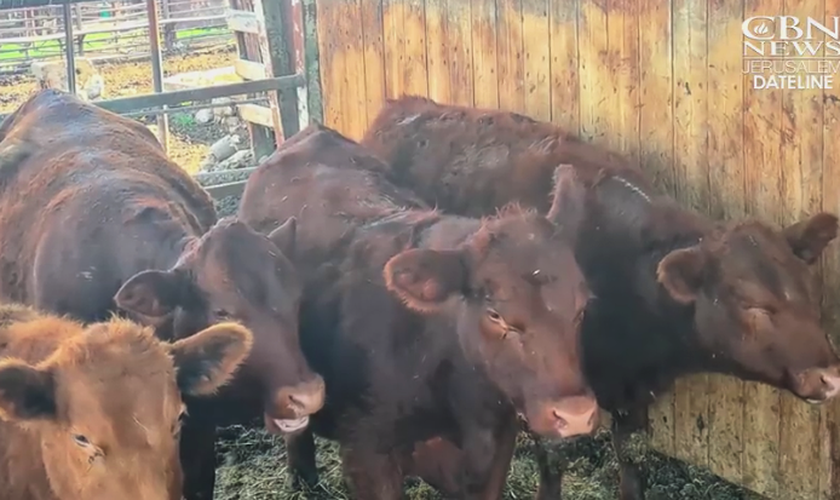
432	331
93	412
94	218
677	293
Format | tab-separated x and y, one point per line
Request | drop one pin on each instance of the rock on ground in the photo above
53	75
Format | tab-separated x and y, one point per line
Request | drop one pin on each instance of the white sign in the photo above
787	52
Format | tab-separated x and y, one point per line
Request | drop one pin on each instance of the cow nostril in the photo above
296	401
560	422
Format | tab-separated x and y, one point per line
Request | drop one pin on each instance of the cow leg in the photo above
552	467
485	479
438	462
371	475
198	459
630	443
300	456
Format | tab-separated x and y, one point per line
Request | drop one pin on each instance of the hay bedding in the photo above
252	466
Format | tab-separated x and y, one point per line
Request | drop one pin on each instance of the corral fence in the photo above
109	30
270	38
663	82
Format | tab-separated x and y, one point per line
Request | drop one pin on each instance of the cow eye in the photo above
81	440
221	314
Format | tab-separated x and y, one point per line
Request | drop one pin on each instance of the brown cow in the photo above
339	189
93	216
677	293
427	326
93	412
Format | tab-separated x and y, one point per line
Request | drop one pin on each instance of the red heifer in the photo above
94	412
93	216
427	326
677	293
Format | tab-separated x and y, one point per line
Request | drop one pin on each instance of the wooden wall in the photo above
662	81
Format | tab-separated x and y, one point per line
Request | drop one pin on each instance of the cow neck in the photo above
646	227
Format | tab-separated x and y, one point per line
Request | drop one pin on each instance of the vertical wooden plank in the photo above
656	92
461	89
762	121
829	470
511	72
484	42
801	134
565	90
536	42
374	57
656	151
415	76
437	48
393	28
595	71
624	54
691	163
690	92
331	63
312	56
353	92
726	178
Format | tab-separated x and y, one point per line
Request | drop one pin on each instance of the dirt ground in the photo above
189	141
252	467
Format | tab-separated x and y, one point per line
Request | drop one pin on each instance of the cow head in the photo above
756	304
105	407
519	299
233	272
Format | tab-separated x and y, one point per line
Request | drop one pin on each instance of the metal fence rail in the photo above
107	30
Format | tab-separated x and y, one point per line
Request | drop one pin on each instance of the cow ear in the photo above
285	237
681	272
568	203
808	238
150	293
424	279
26	393
208	360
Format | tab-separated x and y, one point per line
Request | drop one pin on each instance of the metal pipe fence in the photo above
108	30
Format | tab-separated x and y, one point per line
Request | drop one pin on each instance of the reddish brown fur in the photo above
677	292
93	412
94	217
398	315
336	188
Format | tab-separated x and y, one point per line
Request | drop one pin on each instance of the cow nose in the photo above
574	416
831	384
304	399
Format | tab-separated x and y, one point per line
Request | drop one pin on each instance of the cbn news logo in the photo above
787	52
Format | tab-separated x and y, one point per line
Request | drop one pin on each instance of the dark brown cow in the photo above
427	326
676	292
339	189
94	412
93	216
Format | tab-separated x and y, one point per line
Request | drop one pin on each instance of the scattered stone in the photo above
240	159
224	147
223	111
52	74
204	116
233	123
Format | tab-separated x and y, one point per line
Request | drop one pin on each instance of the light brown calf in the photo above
93	412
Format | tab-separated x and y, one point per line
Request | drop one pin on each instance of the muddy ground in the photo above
189	141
